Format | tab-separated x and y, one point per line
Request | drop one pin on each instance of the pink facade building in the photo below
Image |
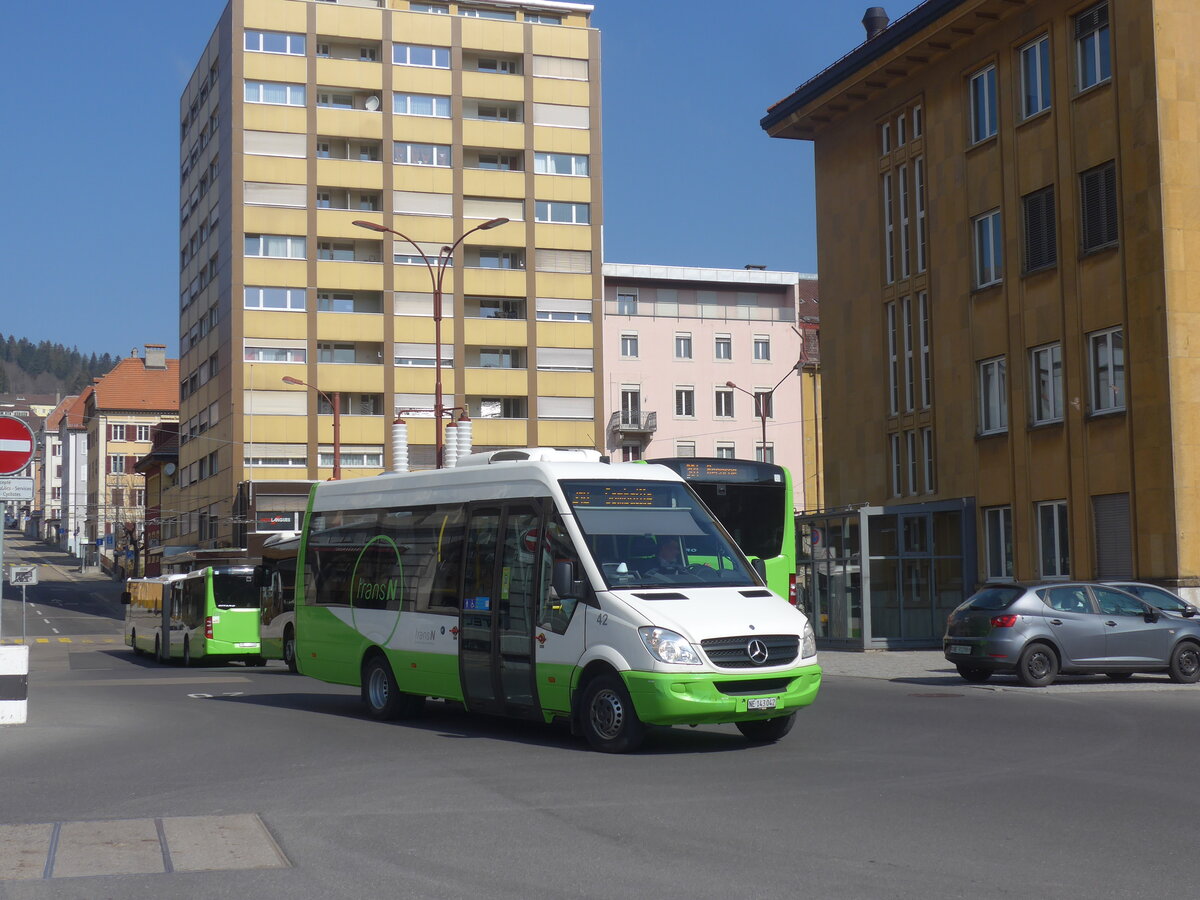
693	355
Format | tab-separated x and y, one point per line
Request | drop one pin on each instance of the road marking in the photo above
166	679
61	640
47	621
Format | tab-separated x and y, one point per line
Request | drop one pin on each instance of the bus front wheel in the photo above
609	720
381	694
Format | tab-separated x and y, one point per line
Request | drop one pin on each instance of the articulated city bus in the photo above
214	617
147	611
277	597
753	500
546	584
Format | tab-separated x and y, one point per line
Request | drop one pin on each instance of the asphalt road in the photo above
885	788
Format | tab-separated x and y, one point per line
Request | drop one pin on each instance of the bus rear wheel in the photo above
187	653
608	719
289	649
157	650
382	696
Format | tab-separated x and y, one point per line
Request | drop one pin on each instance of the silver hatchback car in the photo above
1039	630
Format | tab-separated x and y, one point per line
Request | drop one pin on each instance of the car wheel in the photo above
767	731
608	718
1118	676
1185	663
973	674
1038	666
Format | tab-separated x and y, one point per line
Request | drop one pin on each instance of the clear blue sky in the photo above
90	224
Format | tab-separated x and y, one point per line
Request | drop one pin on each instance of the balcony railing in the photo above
624	422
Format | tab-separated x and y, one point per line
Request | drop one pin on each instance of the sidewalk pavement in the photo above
887	664
54	563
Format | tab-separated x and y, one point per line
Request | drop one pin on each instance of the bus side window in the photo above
554	612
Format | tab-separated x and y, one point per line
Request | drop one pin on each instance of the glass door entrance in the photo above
498	601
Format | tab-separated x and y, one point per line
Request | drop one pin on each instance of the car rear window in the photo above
995	598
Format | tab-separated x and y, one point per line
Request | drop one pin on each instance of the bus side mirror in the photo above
563	580
125	598
760	568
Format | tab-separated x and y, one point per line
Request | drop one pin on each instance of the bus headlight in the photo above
808	646
669	647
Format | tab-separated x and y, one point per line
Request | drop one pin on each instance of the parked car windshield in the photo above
645	534
995	597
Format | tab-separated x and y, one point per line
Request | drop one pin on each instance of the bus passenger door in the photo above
498	603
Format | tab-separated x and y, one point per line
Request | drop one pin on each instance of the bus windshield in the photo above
653	534
235	590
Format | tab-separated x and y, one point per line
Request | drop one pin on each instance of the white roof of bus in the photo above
497	480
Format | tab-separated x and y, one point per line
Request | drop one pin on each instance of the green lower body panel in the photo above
708	698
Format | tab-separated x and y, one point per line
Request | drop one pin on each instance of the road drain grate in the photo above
137	847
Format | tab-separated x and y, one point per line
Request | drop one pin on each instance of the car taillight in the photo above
1004	621
792	589
208	627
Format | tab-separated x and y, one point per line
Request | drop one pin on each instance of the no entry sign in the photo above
16	445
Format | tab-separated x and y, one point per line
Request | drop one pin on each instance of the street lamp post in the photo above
336	402
762	404
436	276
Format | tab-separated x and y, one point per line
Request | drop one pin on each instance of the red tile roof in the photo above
55	417
132	386
76	412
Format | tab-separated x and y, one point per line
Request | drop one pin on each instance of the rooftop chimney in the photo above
875	20
156	356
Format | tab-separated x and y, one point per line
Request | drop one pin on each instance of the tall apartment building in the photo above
676	338
50	448
120	409
1006	206
428	119
72	438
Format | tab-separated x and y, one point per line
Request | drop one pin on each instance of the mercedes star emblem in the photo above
757	651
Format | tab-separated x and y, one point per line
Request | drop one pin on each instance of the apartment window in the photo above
627	304
997	527
116	464
1041	243
631	452
919	200
685	402
764	453
896	463
503	15
901	130
723	347
421	105
545	19
562	213
1098	199
762	347
352	459
275	246
683	346
902	178
1106	358
339	251
498	66
117	433
983	105
437	8
118	497
685	449
421	55
56	492
723	403
506	358
335	352
889	228
910	441
923	339
559	164
918	125
1035	77
409	154
1054	551
500	112
275	354
764	405
885	138
496	258
988	249
927	456
274	42
143	433
725	451
993	396
1046	380
629	345
274	298
906	336
274	93
893	361
1093	53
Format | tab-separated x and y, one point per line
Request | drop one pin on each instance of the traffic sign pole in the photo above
16	450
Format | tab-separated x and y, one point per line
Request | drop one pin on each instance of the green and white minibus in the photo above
536	583
277	597
214	617
147	613
753	500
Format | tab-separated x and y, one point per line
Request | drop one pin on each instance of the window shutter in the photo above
1114	555
1092	19
108	464
108	432
577	262
129	461
1041	246
1098	193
